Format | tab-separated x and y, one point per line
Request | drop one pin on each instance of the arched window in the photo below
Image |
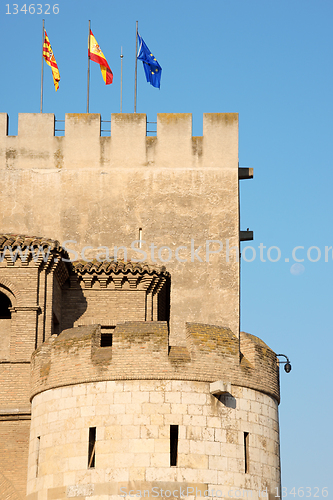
5	305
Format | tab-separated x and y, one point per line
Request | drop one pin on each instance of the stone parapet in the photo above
82	145
140	350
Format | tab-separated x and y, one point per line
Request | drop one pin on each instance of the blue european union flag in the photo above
152	69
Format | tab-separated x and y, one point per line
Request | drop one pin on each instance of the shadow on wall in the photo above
228	400
73	304
163	302
107	297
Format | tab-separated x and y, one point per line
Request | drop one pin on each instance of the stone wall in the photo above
133	392
141	350
132	420
182	191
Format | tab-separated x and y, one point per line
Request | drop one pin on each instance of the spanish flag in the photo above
50	59
95	54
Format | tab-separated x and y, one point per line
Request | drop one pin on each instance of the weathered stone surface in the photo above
208	445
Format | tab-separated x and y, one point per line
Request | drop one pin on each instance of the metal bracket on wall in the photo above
245	235
245	173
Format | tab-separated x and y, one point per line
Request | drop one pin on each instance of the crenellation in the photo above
174	129
128	145
220	140
82	141
128	140
34	144
36	126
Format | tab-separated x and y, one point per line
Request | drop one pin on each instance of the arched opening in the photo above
5	305
5	326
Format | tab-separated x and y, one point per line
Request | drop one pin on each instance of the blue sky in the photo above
270	61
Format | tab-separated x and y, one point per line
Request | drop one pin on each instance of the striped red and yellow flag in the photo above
96	55
50	59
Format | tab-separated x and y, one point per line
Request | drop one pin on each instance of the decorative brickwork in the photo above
47	293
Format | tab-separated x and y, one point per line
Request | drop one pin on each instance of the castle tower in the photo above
140	378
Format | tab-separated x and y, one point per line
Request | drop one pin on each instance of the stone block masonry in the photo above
133	447
140	350
133	393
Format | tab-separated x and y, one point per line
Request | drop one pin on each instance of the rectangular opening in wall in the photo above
107	336
173	444
91	447
37	454
246	451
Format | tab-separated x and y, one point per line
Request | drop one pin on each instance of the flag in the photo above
96	55
50	60
152	69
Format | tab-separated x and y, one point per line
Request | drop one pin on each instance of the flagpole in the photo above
88	75
136	65
121	80
42	75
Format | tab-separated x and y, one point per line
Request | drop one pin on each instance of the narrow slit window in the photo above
37	454
173	444
91	448
246	451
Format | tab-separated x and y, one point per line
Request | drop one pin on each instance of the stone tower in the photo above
141	383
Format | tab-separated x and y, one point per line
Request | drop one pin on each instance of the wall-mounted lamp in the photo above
287	365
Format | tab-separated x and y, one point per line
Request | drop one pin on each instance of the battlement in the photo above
128	145
140	350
